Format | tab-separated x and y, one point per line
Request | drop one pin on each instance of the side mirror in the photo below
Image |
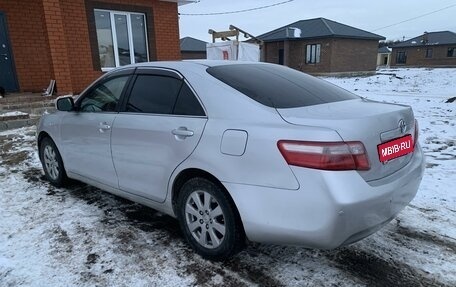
65	104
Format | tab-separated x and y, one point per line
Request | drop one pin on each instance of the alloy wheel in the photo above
205	219
51	163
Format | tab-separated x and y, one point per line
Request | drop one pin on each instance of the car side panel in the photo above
261	163
145	151
86	145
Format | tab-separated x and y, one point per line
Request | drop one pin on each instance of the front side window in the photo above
121	38
401	57
429	53
313	54
104	97
451	52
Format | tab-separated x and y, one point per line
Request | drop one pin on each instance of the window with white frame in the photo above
122	38
313	54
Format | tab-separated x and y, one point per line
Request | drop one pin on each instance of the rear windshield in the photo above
279	87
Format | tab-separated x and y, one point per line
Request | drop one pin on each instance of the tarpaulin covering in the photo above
233	50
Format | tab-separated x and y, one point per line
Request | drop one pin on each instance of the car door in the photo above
86	132
160	125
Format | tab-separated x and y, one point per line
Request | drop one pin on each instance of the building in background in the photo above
434	49
322	46
192	48
74	41
383	57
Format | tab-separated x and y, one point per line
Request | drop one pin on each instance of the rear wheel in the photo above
209	220
52	163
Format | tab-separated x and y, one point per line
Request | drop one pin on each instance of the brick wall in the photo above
54	19
166	30
416	57
52	39
162	26
271	52
29	43
336	55
350	55
298	56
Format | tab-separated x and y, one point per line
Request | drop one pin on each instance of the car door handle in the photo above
104	127
183	132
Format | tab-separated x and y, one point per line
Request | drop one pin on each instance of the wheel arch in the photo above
190	173
40	138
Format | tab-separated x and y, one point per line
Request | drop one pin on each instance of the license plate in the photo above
395	148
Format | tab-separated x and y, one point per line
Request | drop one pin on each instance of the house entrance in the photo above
8	78
281	54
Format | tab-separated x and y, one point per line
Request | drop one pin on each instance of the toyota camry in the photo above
237	151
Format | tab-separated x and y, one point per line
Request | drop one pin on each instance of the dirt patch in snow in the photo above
61	241
33	174
13	159
376	271
257	274
447	244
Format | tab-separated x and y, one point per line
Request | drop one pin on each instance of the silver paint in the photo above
140	156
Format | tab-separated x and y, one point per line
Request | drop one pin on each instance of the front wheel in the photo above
209	220
52	163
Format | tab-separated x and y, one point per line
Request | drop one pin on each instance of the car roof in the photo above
190	63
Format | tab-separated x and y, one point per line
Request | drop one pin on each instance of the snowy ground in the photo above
81	236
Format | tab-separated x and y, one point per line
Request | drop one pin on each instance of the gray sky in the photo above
362	14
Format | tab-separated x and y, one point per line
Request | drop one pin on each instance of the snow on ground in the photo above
81	236
14	113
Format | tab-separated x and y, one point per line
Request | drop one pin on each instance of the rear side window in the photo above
279	87
153	94
187	103
163	95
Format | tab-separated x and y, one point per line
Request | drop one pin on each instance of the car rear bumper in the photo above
329	209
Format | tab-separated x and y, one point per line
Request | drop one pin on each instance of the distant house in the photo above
74	42
384	56
192	48
322	46
434	49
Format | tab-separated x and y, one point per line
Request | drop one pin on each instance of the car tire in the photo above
209	220
52	163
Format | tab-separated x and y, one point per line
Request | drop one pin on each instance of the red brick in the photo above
51	44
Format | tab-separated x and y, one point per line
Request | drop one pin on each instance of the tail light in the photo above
325	155
416	133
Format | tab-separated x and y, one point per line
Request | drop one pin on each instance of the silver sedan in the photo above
238	151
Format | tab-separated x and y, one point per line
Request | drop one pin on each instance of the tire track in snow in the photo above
376	271
165	230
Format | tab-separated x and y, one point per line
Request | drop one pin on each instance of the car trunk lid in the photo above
370	122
